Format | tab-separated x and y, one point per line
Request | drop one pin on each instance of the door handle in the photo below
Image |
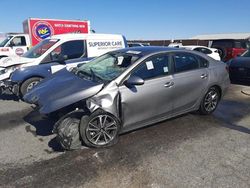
169	84
203	76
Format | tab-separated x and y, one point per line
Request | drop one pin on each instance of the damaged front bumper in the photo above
9	86
5	83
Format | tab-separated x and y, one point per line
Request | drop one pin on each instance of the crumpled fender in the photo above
108	100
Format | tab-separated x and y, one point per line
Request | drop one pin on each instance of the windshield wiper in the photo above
81	73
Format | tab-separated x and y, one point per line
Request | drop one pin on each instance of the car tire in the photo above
210	101
68	133
28	84
222	52
96	134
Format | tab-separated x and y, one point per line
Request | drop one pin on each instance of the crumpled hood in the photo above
60	90
10	61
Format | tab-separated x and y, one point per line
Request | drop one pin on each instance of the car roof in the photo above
146	50
191	47
68	36
194	46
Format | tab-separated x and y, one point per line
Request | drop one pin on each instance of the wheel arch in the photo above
218	88
73	114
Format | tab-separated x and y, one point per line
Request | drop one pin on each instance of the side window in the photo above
203	62
73	49
203	50
18	41
238	44
154	67
185	62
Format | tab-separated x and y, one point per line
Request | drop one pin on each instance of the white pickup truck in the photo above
14	45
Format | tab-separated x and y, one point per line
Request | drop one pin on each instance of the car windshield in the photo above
40	48
246	53
4	42
107	67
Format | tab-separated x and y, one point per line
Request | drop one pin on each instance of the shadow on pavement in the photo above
43	125
233	113
9	97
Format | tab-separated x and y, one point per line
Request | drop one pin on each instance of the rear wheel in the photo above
210	101
100	129
29	84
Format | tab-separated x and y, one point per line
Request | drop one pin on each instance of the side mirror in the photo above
134	80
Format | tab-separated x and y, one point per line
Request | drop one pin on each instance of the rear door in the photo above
190	80
152	100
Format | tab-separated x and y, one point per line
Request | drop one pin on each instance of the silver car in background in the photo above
128	89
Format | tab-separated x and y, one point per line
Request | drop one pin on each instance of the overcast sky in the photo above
136	19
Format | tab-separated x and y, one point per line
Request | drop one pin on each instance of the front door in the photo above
145	103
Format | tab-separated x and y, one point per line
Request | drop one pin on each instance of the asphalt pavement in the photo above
186	151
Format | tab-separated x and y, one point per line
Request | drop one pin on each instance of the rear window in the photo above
230	43
238	44
223	43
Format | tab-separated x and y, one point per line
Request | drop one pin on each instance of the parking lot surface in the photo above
187	151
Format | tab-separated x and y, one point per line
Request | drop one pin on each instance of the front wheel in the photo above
210	101
28	85
100	129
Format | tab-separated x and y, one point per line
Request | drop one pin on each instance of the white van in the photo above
66	47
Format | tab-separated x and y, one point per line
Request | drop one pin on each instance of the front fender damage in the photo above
107	100
67	128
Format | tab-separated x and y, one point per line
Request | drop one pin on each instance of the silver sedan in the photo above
128	89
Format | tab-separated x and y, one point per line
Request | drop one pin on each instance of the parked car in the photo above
239	69
230	48
49	56
127	89
175	45
212	52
